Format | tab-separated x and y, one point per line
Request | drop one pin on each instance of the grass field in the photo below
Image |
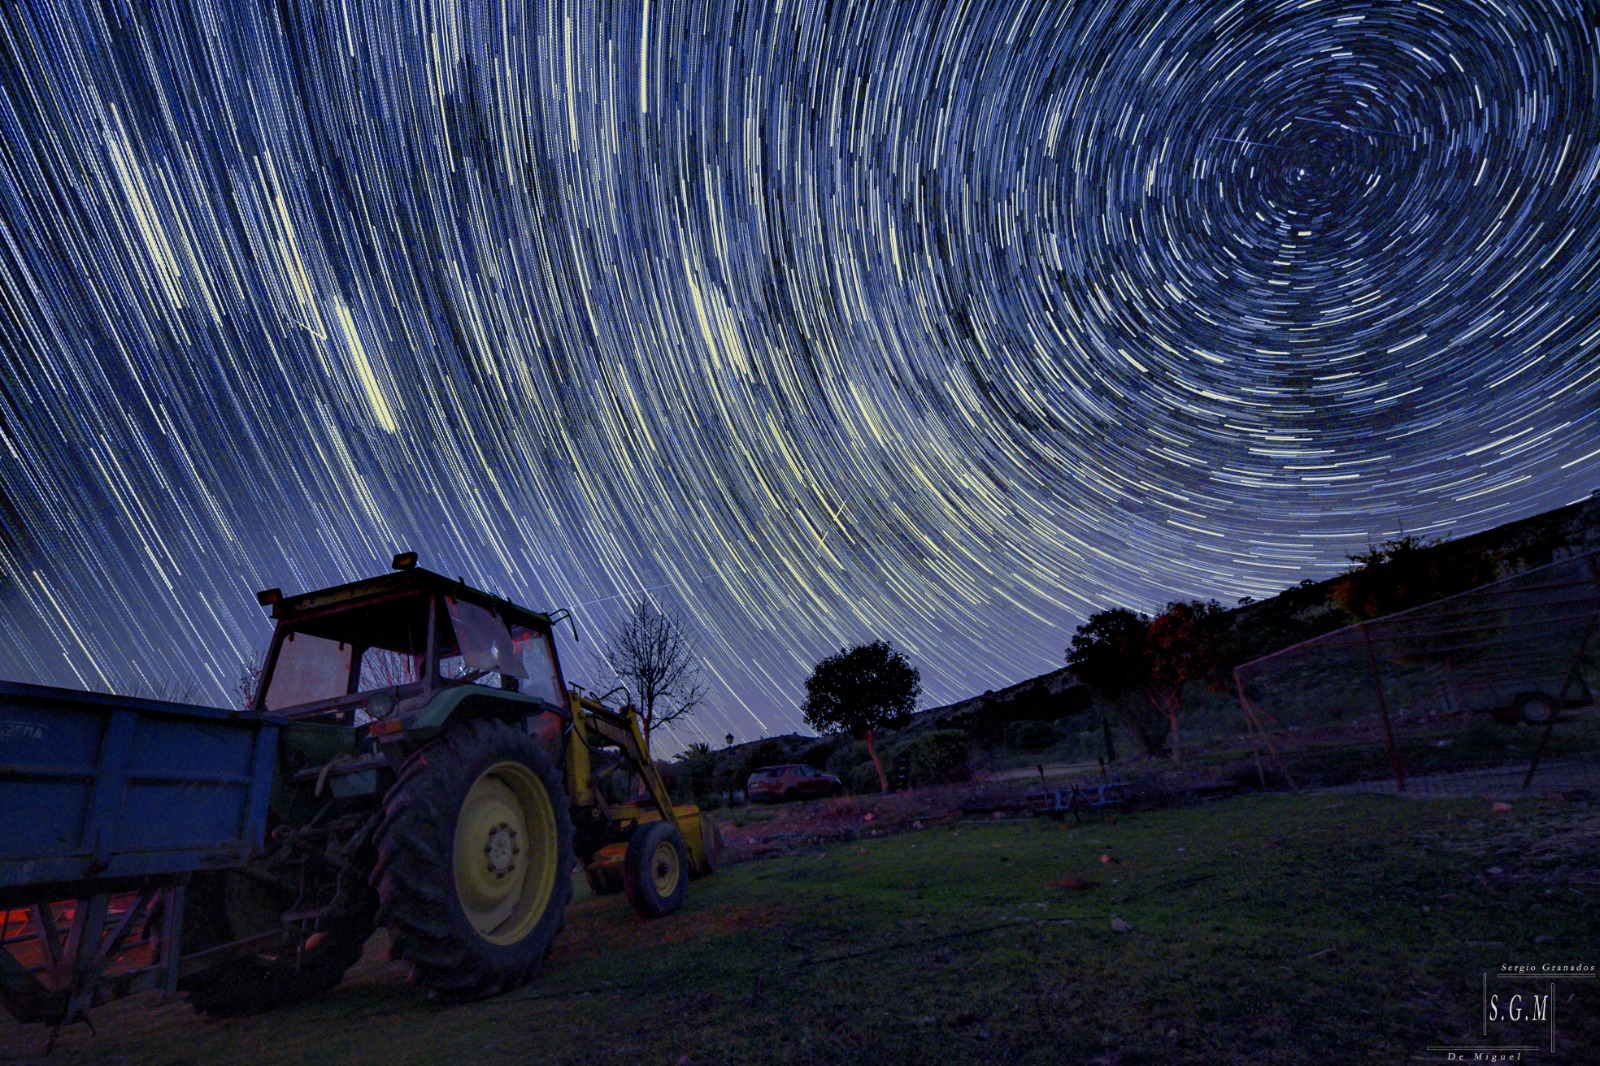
1306	929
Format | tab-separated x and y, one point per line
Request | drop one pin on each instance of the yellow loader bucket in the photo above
700	833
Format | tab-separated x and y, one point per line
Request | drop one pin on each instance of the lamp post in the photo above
729	739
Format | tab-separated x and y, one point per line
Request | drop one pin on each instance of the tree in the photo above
696	769
1141	665
1110	653
861	690
248	684
1187	643
1408	571
657	662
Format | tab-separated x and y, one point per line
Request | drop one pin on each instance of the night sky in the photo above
943	323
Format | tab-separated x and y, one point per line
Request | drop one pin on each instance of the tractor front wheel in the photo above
655	871
475	861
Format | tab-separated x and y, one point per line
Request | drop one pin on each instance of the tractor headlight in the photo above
381	706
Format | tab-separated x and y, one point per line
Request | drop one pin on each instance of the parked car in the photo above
791	781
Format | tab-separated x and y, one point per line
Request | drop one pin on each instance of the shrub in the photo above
766	753
1028	735
819	755
939	755
845	758
863	780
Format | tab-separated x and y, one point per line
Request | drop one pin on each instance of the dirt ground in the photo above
790	828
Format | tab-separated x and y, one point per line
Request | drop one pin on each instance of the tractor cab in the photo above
380	653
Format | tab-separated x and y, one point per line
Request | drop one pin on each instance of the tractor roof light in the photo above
404	561
268	597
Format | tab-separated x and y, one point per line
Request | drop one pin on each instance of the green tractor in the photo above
436	776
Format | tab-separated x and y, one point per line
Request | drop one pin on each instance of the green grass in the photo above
1265	930
1441	747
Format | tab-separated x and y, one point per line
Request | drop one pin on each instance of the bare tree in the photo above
651	655
248	684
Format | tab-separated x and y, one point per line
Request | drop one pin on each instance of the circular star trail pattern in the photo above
945	323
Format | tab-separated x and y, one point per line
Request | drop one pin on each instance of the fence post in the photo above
1383	708
1255	749
1257	729
1575	672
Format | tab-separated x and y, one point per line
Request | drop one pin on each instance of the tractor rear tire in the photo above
655	871
475	859
228	906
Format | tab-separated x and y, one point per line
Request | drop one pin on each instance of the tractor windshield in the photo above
486	651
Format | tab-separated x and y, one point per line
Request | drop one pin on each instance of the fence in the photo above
1487	692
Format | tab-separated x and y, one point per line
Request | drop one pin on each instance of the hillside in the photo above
1310	608
1300	612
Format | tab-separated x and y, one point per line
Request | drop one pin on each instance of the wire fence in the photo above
1488	692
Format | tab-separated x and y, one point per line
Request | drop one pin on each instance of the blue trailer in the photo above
107	805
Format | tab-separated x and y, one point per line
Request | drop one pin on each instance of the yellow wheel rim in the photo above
664	868
505	853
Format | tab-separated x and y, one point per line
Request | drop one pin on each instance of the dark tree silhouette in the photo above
1408	571
1141	664
651	655
1110	653
861	690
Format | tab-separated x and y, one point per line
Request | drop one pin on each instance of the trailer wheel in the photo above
229	906
475	861
655	871
1535	708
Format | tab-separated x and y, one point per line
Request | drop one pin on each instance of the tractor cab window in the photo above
389	668
348	653
309	668
482	643
538	663
479	648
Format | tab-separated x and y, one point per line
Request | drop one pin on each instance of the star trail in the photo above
942	323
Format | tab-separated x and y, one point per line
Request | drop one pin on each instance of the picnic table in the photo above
1080	798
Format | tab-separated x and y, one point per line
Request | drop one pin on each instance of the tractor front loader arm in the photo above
598	727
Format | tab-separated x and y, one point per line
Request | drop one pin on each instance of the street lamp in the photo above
729	739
